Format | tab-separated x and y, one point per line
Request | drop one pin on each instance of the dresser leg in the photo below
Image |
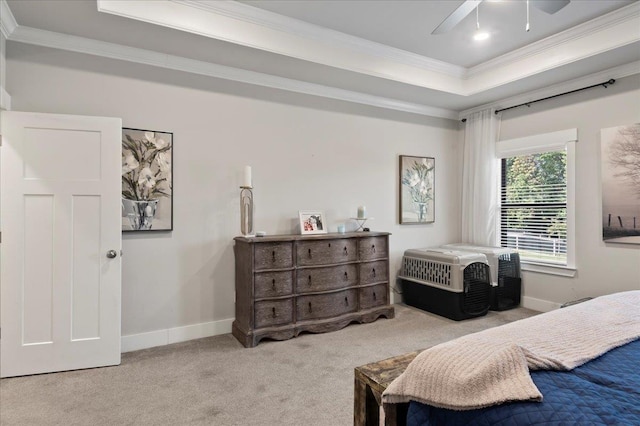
246	340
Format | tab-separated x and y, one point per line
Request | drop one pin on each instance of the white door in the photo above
60	245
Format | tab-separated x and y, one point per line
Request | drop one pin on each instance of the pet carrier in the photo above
506	282
452	283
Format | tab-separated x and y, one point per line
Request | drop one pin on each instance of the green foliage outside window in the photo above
534	201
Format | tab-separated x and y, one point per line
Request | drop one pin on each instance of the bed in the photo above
576	365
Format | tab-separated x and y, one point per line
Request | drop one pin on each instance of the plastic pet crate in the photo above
505	274
452	283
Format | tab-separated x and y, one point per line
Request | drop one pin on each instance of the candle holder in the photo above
246	211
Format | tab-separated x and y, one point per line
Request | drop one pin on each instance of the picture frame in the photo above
312	222
147	180
620	163
416	190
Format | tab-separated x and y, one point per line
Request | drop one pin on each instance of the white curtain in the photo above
480	179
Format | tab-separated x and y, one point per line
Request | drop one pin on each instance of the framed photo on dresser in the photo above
312	222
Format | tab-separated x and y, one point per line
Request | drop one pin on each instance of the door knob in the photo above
111	254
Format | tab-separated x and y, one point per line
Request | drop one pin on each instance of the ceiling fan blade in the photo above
456	16
550	6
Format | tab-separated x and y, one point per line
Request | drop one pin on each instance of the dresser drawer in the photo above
373	296
332	277
373	248
273	312
324	252
326	305
273	255
273	284
373	272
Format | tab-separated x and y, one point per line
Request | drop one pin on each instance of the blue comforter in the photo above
604	391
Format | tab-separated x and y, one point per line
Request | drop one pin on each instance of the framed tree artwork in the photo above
620	161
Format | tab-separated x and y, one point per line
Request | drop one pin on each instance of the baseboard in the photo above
134	342
539	304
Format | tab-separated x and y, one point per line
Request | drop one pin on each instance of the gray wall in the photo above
306	153
602	268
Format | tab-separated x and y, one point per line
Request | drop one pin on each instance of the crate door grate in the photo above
509	265
477	289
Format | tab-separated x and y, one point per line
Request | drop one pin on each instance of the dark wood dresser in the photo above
288	284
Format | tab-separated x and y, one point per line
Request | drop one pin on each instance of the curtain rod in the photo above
604	84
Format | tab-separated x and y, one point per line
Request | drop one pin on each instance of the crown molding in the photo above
8	22
275	21
313	44
253	27
147	57
613	30
592	27
621	71
600	35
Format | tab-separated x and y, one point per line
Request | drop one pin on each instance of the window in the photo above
533	206
536	200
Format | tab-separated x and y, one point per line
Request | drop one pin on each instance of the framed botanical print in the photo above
417	189
147	180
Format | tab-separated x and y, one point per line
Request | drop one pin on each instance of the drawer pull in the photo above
309	252
309	279
346	301
273	310
346	276
373	248
329	244
374	272
273	256
310	310
374	295
346	252
273	283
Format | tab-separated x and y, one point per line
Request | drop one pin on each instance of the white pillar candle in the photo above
362	212
247	177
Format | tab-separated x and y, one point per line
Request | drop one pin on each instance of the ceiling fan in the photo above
548	6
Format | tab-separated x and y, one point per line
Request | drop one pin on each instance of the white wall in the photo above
602	268
306	153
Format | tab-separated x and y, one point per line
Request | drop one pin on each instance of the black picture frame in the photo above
147	180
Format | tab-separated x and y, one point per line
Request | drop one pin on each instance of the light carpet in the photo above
216	381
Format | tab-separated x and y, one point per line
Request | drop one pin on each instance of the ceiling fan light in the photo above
480	35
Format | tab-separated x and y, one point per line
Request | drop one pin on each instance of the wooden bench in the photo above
370	382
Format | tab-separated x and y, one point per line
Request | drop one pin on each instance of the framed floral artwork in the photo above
312	222
417	189
147	180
